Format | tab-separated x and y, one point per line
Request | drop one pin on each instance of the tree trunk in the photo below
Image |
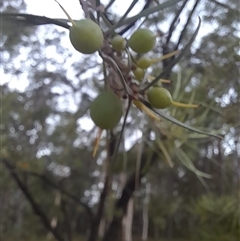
156	231
127	221
55	219
101	228
100	211
114	230
145	213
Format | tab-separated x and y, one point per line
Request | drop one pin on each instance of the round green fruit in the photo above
106	110
118	43
86	36
159	98
142	41
139	73
144	62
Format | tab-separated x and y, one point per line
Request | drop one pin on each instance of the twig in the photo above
187	23
33	20
36	207
176	60
172	26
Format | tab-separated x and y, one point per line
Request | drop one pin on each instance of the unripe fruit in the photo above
159	98
144	62
86	36
118	43
139	73
106	110
142	41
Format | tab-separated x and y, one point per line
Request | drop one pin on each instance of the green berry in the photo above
118	43
159	98
106	110
144	62
139	73
142	41
86	36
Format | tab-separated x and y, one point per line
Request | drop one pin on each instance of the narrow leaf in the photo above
26	20
184	158
149	11
176	60
175	121
165	152
124	15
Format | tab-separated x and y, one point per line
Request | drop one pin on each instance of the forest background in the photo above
51	186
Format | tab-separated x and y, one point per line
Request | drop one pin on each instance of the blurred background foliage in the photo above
47	138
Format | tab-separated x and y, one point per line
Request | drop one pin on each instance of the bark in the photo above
67	220
97	219
55	219
156	231
220	169
145	213
114	231
101	228
100	211
128	221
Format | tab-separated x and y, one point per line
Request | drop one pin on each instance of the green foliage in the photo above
217	218
50	144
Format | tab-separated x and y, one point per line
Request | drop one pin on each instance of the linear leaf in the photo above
121	20
26	20
165	152
149	11
176	60
184	158
177	122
